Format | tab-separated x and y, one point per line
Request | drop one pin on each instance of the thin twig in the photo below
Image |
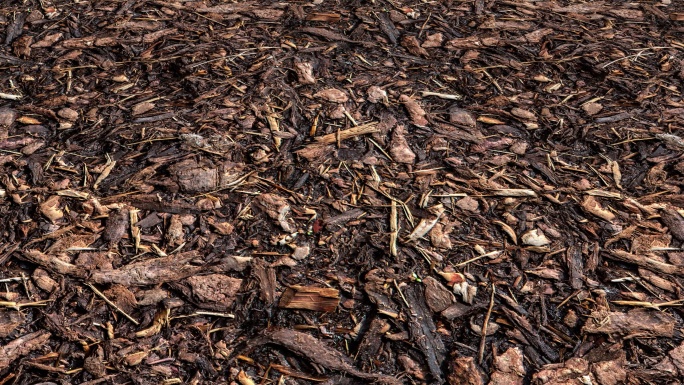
480	354
112	304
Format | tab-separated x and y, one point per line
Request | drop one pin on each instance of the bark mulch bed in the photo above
341	192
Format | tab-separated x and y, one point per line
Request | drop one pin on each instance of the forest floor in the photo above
341	192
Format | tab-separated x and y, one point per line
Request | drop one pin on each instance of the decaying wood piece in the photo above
509	368
196	177
573	370
464	371
22	346
334	222
214	291
635	323
310	298
532	335
423	331
674	221
318	352
645	262
371	341
150	272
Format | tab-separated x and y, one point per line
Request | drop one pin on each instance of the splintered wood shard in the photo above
368	128
310	298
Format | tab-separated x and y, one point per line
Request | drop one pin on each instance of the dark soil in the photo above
462	192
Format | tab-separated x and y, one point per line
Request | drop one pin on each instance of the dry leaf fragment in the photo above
28	120
277	208
333	95
244	379
141	108
523	114
592	206
50	208
460	285
426	224
489	120
221	227
439	236
535	238
508	230
542	78
513	192
617	175
673	142
415	111
105	172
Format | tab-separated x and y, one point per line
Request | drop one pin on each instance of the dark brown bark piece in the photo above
322	299
674	221
437	296
575	266
371	341
424	332
532	335
267	280
320	353
388	28
9	322
14	28
22	346
117	226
